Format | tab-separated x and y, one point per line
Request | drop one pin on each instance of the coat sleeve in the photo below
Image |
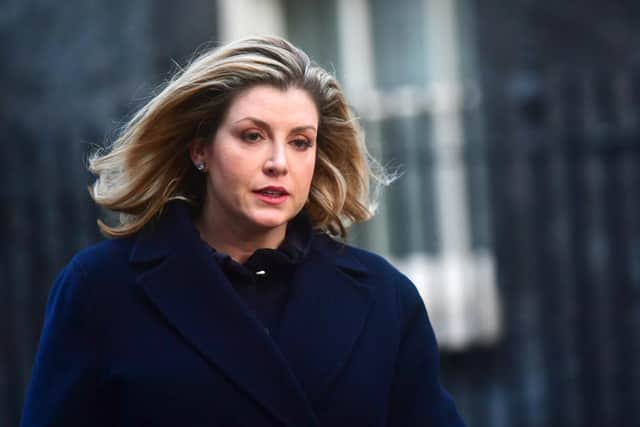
65	387
418	398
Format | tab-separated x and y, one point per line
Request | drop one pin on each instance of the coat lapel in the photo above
325	315
194	296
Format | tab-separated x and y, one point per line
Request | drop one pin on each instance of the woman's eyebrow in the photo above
265	125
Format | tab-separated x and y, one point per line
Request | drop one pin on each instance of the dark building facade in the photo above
561	87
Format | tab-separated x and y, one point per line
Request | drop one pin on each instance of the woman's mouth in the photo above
272	195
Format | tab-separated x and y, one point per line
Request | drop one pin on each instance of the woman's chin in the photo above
273	217
271	221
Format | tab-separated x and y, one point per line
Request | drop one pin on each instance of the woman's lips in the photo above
272	195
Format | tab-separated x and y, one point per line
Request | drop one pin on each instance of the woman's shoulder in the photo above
87	279
105	258
371	268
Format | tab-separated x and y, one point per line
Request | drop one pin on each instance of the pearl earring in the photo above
200	167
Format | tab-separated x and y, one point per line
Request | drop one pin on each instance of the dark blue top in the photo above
148	331
263	280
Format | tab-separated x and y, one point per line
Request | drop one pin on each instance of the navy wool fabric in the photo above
147	330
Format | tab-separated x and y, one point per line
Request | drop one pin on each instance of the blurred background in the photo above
515	123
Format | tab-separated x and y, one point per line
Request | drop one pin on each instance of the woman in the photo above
223	297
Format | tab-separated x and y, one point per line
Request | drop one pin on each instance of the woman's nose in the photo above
276	163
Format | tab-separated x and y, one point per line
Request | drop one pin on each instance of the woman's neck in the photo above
235	240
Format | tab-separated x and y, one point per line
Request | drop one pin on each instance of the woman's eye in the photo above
252	136
301	144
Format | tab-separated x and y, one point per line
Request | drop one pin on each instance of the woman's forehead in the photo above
271	104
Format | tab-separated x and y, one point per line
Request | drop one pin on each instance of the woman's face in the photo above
261	160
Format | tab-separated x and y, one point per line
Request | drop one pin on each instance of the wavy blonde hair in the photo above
149	165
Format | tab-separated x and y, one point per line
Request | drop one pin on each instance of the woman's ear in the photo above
197	151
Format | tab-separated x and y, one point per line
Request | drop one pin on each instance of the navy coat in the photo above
147	331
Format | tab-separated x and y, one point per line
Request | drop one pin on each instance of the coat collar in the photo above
286	374
325	315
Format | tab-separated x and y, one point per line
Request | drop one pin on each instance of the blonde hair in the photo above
149	165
